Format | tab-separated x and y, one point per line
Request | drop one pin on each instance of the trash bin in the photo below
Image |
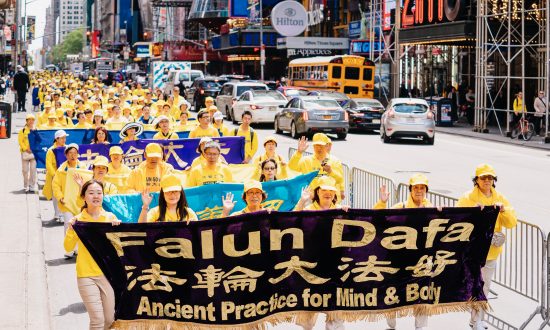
5	120
444	114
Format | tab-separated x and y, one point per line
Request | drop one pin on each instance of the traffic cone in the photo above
3	134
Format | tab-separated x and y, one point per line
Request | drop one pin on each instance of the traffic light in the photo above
145	35
88	37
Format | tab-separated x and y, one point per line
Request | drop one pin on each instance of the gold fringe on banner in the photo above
307	317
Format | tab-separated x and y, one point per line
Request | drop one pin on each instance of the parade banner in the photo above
180	153
41	140
206	201
246	271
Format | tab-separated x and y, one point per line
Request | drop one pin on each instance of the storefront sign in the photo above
289	18
365	46
313	43
425	12
240	58
143	51
291	52
354	29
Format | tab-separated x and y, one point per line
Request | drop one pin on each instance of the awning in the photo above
461	33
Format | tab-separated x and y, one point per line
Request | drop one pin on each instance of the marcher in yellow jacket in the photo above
162	125
51	168
93	286
118	172
28	162
148	174
418	188
100	170
270	146
319	161
250	137
58	183
484	194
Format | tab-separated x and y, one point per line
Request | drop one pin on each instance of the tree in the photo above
72	44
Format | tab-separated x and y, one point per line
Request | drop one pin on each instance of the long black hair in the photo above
181	209
262	164
85	188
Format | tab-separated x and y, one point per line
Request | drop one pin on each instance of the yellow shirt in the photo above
311	163
141	177
51	168
58	184
202	161
198	132
282	170
85	263
222	129
84	126
184	127
170	136
23	139
64	122
201	175
505	219
123	169
48	126
250	144
316	207
154	214
518	106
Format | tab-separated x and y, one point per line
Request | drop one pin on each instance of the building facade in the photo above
71	17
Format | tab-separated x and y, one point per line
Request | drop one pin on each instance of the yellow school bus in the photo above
349	74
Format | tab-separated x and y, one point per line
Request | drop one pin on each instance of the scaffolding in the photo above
511	56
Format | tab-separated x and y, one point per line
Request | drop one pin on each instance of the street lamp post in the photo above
262	48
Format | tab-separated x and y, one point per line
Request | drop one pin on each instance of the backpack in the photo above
236	130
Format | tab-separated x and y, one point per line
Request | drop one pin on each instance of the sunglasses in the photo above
486	177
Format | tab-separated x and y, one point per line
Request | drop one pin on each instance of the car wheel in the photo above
385	137
342	136
293	131
430	141
233	119
276	125
227	114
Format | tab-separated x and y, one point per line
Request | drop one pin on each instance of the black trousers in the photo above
537	121
21	100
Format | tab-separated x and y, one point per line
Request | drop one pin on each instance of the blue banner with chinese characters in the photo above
273	267
179	153
41	140
206	201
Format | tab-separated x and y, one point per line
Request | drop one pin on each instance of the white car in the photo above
410	118
177	77
263	105
231	91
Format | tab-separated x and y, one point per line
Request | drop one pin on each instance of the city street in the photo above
35	255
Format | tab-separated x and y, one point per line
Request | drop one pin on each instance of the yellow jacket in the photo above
198	132
222	129
58	184
282	170
51	168
310	163
518	106
170	136
409	204
137	180
85	263
23	139
250	141
505	219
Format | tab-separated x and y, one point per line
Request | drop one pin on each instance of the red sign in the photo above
95	44
425	12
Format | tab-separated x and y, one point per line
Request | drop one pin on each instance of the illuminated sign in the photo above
425	12
236	58
365	46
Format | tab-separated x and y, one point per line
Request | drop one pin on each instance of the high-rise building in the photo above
49	29
71	17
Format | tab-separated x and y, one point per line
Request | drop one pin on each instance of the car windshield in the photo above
210	84
310	104
268	95
333	94
242	89
410	108
296	92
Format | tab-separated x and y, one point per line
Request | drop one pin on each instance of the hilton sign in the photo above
425	12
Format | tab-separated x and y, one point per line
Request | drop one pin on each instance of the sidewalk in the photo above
23	288
464	129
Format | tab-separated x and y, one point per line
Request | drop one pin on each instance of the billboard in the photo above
31	22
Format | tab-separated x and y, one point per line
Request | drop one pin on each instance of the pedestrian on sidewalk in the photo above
21	84
519	109
60	138
28	163
540	110
485	194
94	288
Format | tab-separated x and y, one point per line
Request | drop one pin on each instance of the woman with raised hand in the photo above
253	196
94	288
172	206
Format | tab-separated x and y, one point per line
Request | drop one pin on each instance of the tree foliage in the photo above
72	44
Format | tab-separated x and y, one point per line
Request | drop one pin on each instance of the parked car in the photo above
231	91
235	77
340	97
291	91
181	78
201	88
408	117
364	113
263	104
307	115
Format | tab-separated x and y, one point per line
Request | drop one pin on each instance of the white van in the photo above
175	77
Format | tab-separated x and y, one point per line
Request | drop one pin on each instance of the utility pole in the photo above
262	47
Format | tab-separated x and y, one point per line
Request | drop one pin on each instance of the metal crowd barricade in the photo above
346	174
365	188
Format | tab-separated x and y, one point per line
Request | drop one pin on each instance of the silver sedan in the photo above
408	118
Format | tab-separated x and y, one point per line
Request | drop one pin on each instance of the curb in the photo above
510	142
